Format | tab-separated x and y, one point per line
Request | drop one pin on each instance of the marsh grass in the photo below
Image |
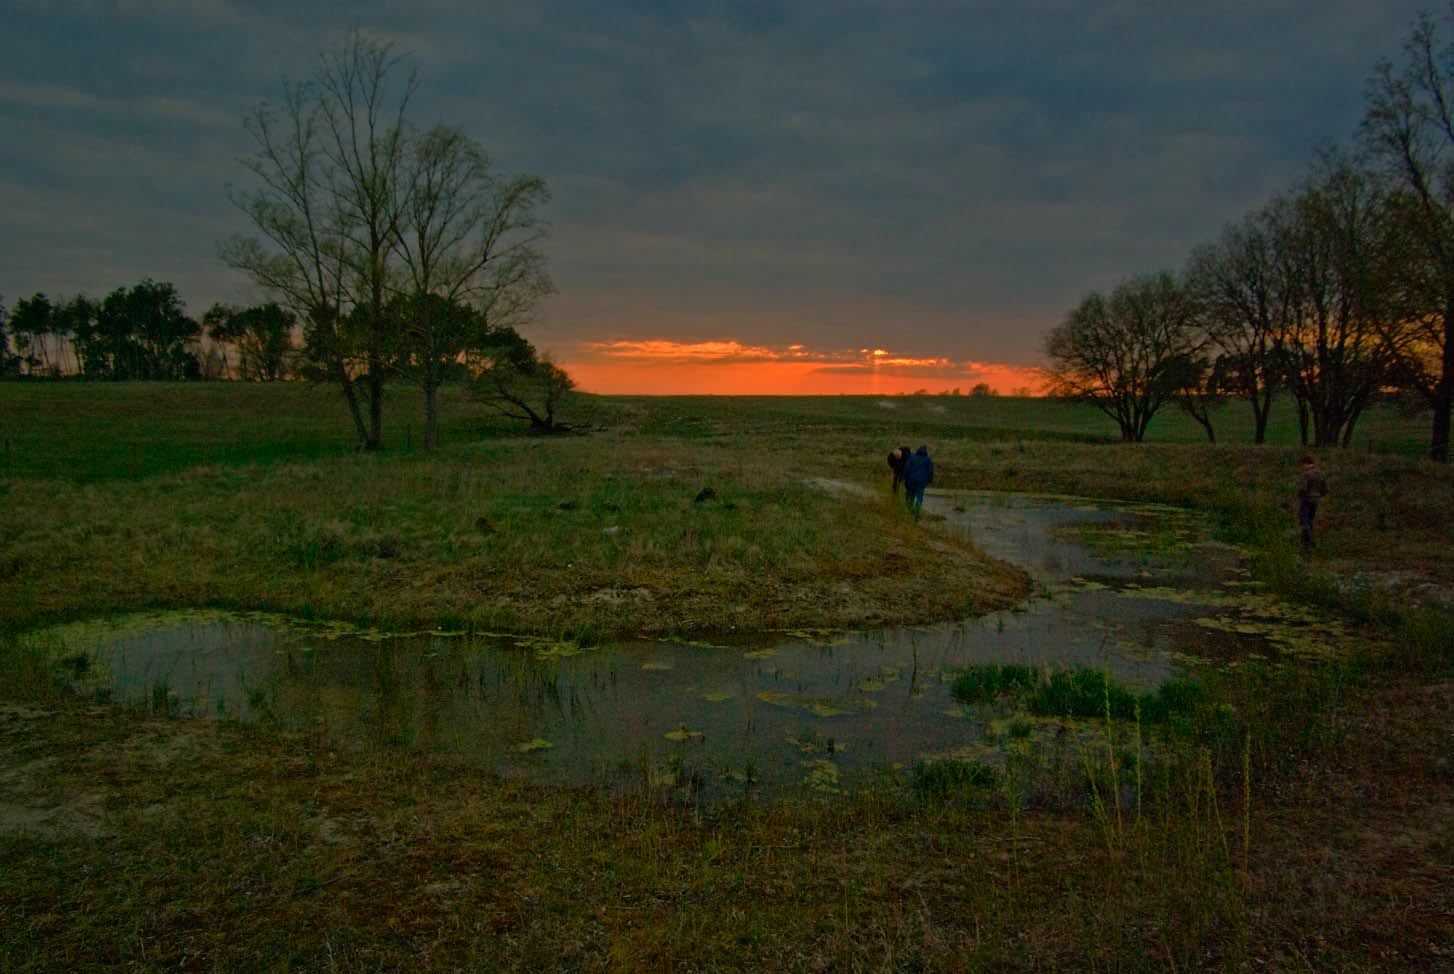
1239	831
569	536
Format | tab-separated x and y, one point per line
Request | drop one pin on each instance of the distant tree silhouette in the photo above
515	381
261	334
1332	248
141	332
1126	353
1243	307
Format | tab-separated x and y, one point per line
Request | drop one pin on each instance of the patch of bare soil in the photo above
838	488
1411	587
53	787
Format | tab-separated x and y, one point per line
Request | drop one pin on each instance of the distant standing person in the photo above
918	474
1312	487
898	456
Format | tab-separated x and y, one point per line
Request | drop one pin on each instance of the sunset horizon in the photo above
732	368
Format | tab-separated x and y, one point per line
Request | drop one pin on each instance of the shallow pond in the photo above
1138	591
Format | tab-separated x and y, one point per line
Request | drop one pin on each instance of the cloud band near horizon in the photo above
730	367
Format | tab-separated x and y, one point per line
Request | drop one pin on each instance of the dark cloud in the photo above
954	175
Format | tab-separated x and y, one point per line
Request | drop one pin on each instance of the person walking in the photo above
898	456
1312	487
918	474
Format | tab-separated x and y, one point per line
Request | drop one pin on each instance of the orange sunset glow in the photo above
730	368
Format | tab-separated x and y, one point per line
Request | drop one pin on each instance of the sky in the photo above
823	196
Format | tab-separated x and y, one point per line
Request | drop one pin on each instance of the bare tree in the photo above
1332	242
329	164
468	242
1409	127
1126	354
1199	385
363	107
1242	309
299	255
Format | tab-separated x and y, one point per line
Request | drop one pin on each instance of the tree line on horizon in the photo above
387	251
1337	292
143	333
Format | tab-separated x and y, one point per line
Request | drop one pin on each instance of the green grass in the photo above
100	431
1083	693
981	683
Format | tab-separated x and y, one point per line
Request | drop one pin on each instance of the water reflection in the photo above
768	711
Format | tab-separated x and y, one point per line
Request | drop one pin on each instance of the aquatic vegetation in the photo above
817	706
1080	693
819	637
544	647
1143	529
980	683
816	744
877	682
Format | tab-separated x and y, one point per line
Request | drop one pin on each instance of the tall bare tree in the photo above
468	241
1409	127
1332	244
364	104
1243	310
329	167
1126	354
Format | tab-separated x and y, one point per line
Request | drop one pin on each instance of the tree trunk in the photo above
376	407
1443	393
1439	445
350	396
1261	409
431	406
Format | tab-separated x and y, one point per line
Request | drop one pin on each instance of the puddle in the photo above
1137	591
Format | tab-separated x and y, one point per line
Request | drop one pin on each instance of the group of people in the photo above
915	471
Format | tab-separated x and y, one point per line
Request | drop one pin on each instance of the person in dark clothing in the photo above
1312	487
898	456
918	474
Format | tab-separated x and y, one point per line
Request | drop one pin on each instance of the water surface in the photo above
1138	591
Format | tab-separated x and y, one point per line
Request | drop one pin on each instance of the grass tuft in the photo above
1080	693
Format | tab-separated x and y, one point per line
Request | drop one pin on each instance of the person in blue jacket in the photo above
918	474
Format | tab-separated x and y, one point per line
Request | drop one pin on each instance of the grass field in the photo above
1299	816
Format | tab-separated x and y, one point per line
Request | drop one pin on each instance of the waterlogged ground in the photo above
1138	591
